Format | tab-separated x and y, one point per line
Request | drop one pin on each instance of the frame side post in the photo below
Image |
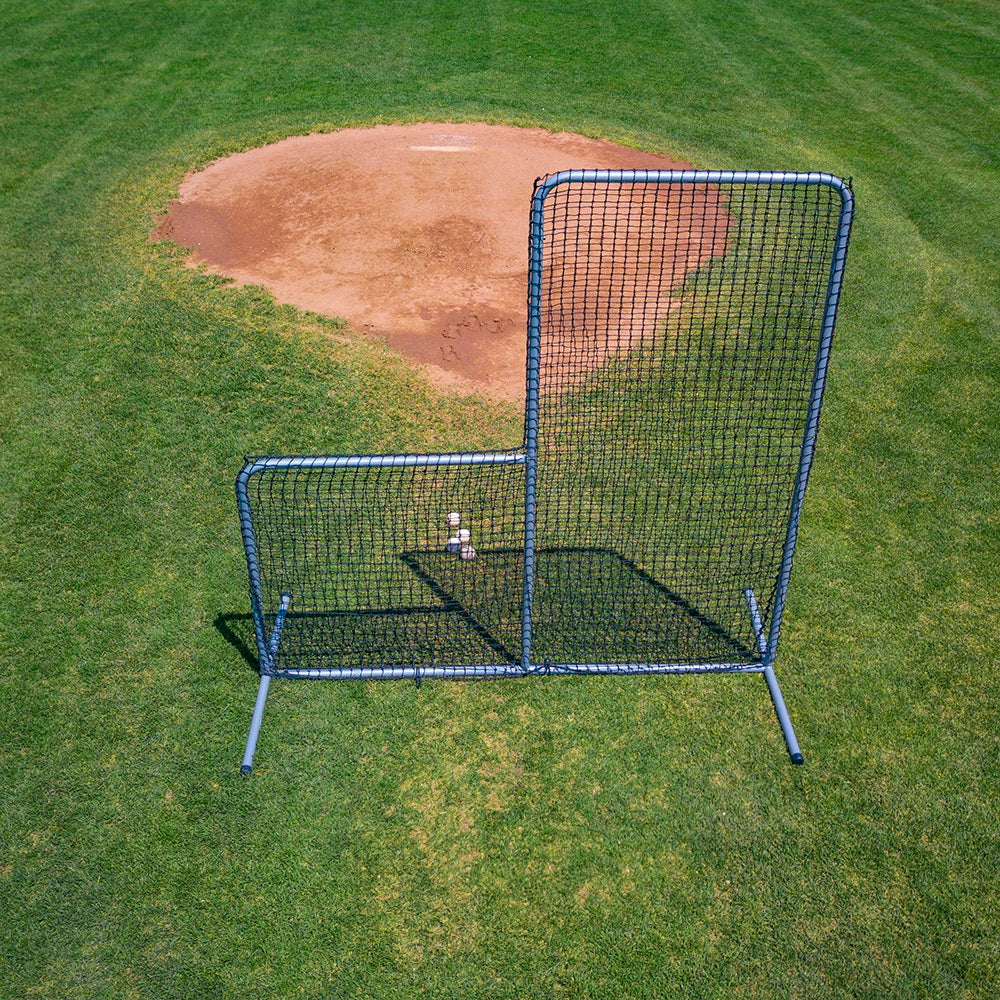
808	447
253	561
536	241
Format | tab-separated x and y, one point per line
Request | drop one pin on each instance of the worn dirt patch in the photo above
416	234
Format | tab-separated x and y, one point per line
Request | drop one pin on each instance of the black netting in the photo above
678	328
679	331
364	553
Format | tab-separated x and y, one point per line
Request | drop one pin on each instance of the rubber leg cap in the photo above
245	769
797	758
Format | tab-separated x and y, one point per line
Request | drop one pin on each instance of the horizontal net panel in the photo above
679	327
411	565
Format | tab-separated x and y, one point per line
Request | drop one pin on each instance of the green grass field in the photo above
561	837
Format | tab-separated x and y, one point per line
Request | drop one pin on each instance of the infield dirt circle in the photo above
415	234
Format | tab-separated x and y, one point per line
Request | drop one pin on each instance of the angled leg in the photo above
786	723
265	683
772	681
255	721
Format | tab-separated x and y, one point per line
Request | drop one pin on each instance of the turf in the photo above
574	837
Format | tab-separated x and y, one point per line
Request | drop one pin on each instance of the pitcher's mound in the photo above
417	234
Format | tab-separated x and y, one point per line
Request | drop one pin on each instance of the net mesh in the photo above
381	572
678	326
679	329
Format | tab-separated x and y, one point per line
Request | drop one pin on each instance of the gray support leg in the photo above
265	683
772	681
786	723
258	717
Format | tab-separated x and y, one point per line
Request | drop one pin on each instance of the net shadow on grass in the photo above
238	631
472	616
573	621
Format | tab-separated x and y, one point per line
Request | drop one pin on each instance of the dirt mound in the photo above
417	234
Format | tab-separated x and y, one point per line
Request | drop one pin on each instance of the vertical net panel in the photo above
380	569
679	332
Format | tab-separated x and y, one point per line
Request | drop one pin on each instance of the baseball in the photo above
468	552
454	519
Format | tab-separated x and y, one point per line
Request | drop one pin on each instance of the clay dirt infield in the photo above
416	234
